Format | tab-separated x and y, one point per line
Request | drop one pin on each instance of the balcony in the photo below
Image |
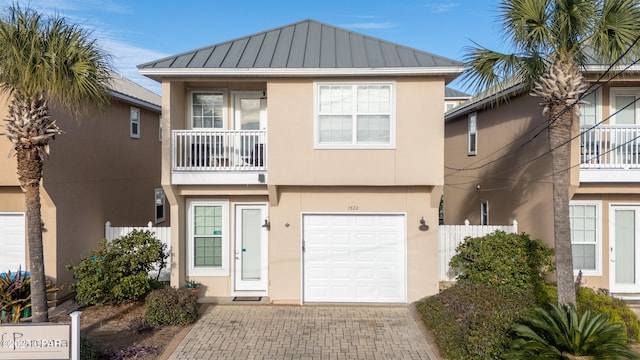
610	153
210	156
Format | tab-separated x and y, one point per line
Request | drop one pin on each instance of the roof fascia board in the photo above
136	101
448	70
474	105
603	68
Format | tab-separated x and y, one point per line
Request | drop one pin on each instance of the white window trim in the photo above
160	200
621	91
132	121
454	103
469	132
598	245
484	203
225	107
208	271
316	122
598	106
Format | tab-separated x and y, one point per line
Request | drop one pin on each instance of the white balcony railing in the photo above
610	147
219	150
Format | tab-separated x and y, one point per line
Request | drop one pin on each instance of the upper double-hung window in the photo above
207	109
355	115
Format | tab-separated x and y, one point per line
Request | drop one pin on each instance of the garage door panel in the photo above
12	237
354	258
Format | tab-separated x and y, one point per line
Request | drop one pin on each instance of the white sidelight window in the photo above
207	109
208	238
134	122
472	134
586	235
355	115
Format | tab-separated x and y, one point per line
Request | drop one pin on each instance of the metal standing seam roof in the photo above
450	93
301	48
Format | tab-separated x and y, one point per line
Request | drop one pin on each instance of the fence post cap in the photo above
108	223
466	222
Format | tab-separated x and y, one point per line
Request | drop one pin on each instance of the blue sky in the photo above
137	31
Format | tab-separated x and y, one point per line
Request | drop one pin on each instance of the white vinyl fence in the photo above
452	235
161	233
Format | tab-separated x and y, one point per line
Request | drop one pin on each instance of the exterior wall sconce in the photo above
423	225
267	224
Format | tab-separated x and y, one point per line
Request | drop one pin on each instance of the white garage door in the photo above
12	238
354	258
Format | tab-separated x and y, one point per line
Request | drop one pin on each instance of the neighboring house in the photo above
299	163
498	168
453	98
104	167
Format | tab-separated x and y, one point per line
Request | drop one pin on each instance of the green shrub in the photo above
118	270
473	320
171	306
598	301
556	332
88	351
503	260
616	309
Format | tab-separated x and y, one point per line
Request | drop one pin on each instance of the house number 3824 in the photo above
352	207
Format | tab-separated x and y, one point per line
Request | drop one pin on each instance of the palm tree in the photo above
44	62
559	333
552	40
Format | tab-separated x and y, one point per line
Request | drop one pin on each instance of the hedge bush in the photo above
118	270
171	306
472	321
504	260
600	301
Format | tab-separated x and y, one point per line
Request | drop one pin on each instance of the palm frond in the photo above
617	29
558	331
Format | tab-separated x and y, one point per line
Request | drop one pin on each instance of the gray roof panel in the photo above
281	52
312	49
307	44
328	48
251	51
264	58
217	56
343	50
374	53
298	46
200	58
235	53
358	51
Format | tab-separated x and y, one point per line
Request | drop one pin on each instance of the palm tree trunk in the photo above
559	139
30	166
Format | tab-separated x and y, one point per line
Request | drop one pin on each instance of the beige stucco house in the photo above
300	164
498	169
104	167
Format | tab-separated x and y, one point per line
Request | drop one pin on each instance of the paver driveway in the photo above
305	332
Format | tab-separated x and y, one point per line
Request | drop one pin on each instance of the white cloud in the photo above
125	56
369	25
438	8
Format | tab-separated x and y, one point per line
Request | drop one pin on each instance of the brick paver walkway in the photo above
304	332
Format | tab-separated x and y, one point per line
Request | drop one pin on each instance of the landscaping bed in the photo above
118	332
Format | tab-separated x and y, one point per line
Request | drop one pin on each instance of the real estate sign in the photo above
35	341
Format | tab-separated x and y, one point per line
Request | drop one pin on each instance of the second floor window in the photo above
134	122
472	134
355	115
207	109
